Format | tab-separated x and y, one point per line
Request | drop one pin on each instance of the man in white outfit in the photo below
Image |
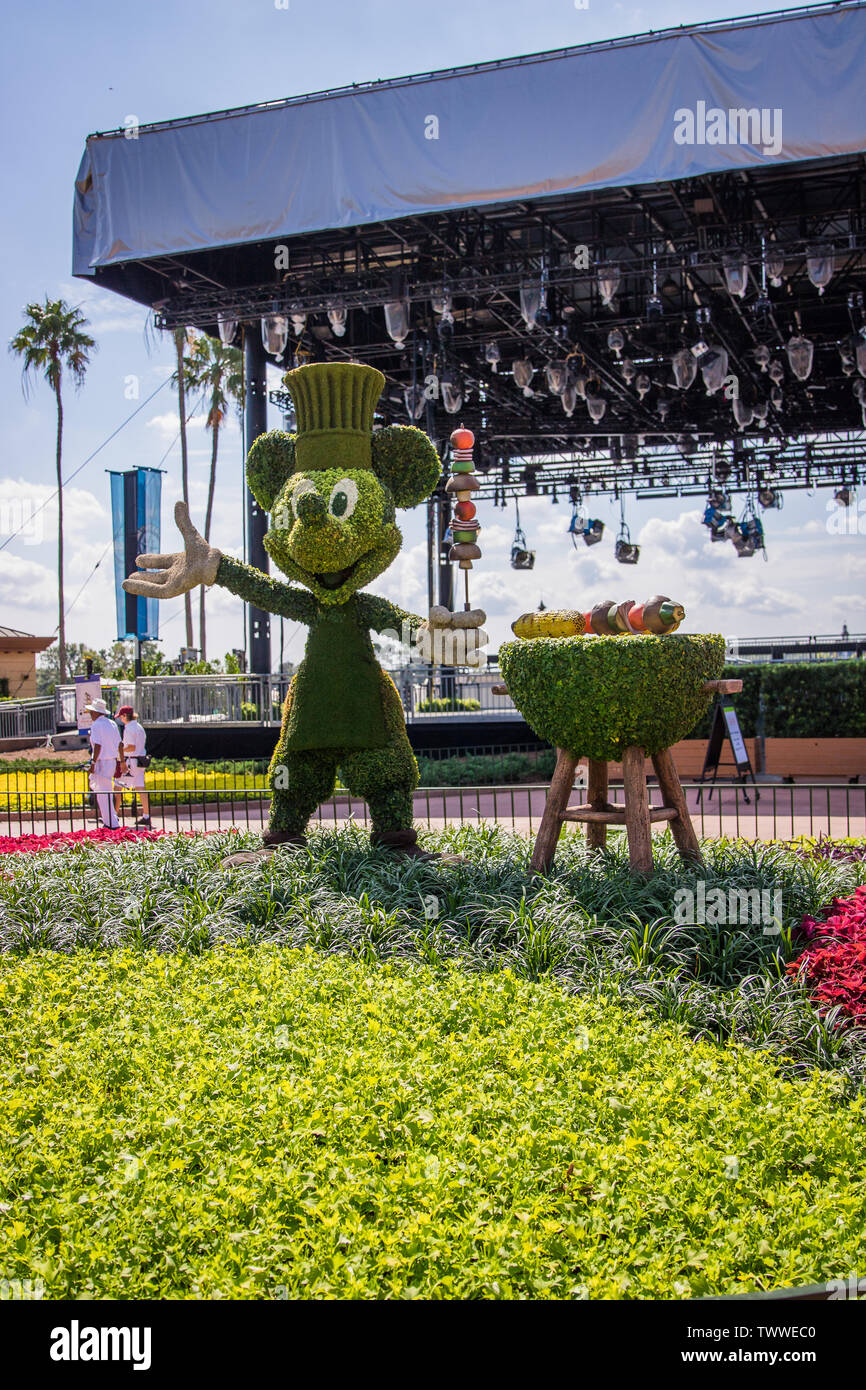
104	744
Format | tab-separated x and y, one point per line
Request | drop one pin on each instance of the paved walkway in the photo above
782	811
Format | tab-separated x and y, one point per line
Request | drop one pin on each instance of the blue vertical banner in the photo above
135	512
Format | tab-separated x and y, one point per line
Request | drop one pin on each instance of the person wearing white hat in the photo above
104	744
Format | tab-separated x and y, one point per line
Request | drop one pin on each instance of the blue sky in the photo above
70	70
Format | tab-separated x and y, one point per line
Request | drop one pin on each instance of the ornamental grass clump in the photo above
588	925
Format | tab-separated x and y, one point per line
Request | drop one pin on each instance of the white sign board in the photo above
87	688
735	735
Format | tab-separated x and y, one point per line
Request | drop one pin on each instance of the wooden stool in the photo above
635	812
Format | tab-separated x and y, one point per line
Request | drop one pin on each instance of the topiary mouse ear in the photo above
406	462
270	462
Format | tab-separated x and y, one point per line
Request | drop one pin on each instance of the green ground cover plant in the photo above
251	1122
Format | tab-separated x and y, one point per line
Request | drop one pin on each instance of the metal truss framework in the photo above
668	242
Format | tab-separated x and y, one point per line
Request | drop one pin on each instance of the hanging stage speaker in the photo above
135	504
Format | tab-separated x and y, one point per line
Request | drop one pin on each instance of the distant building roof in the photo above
12	638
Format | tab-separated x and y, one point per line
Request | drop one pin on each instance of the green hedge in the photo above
442	705
824	699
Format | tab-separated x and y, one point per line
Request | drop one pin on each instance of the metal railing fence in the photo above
27	718
259	699
237	794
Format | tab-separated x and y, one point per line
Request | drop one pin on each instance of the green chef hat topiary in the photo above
334	406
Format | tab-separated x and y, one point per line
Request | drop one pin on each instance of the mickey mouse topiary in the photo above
332	490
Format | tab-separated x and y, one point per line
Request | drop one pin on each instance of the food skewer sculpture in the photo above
659	616
464	525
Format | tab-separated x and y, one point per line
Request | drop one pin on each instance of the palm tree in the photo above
53	338
218	371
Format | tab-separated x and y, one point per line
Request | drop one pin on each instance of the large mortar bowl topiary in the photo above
597	696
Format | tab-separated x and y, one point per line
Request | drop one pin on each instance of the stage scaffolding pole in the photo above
256	423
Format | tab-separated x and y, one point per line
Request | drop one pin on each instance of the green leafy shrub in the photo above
802	699
485	770
596	696
436	704
815	699
265	1124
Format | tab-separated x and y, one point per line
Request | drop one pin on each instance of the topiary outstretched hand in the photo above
171	575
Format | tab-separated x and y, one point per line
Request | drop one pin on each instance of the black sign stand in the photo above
726	727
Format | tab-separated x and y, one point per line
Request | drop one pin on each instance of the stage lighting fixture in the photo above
761	355
775	263
608	282
846	356
596	405
616	341
415	401
800	351
492	355
532	301
337	315
642	384
776	373
275	334
736	271
523	371
629	371
299	320
714	369
452	393
442	303
397	321
743	413
685	368
820	264
557	377
227	329
569	399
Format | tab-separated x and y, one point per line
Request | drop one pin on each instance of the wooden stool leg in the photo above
596	795
561	785
673	795
637	819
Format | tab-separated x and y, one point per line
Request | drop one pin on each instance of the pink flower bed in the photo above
65	839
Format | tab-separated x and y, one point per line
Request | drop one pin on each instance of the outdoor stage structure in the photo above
630	268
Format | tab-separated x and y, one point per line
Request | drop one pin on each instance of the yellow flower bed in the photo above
50	790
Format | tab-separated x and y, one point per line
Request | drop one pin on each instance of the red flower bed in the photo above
64	839
67	839
835	961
